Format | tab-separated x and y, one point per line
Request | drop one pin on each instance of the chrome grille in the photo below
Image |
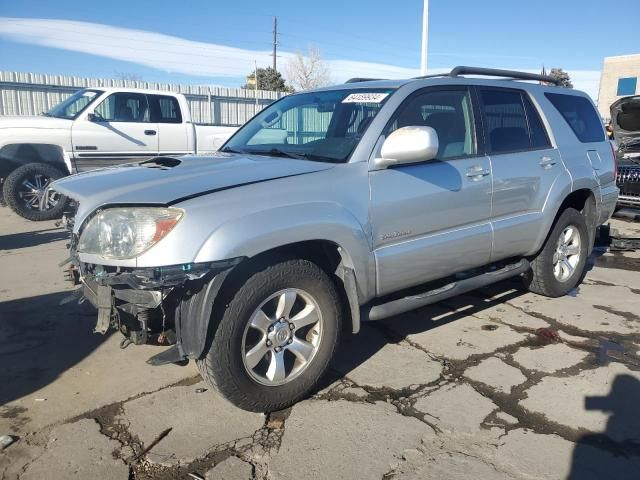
628	180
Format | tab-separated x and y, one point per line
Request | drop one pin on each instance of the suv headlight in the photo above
122	233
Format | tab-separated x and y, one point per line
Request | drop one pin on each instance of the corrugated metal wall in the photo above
33	93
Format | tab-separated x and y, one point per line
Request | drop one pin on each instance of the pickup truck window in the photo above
72	106
448	112
164	109
323	126
124	107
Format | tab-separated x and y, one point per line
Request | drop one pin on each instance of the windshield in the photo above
72	106
324	126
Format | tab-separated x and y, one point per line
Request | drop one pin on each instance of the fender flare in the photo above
266	230
558	193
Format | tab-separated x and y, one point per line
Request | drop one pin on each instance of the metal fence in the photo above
33	93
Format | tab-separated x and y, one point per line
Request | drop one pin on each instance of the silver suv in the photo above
336	206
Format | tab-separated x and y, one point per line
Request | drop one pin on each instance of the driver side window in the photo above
448	112
124	107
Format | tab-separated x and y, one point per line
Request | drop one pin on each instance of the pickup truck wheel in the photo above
276	337
25	191
560	264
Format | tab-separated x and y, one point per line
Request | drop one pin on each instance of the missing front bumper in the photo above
161	306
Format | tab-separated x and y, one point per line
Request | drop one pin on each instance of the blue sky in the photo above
209	42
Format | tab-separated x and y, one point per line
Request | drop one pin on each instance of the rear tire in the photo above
261	357
559	266
24	186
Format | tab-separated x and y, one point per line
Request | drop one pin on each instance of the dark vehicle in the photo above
625	120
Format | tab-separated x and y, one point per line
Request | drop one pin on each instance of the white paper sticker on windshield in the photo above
89	94
365	98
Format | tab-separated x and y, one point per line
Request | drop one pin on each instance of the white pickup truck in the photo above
94	128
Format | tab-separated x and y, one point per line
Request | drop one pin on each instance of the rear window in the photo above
164	109
579	113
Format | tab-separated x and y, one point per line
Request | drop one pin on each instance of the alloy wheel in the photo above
35	194
282	337
567	254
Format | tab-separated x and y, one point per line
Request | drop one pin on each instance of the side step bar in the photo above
402	305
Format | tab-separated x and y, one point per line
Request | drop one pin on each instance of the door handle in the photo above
547	162
149	132
476	172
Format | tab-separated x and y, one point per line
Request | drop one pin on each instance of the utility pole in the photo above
256	79
275	41
425	34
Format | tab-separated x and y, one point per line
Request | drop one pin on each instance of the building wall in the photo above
615	68
31	94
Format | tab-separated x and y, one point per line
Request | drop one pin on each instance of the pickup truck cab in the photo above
335	206
94	128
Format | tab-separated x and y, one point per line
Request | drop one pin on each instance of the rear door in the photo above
121	131
432	218
172	130
524	165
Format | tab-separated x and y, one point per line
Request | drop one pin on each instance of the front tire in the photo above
25	187
559	266
276	337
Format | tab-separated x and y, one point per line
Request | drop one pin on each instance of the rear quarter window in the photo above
164	109
579	113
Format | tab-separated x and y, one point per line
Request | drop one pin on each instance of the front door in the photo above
119	131
432	219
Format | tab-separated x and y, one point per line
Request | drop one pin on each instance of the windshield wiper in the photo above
276	152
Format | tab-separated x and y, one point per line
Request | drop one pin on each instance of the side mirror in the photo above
408	145
92	117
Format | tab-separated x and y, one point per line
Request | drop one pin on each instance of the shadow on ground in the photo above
621	437
40	340
16	241
353	351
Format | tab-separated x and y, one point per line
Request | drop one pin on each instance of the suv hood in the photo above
168	180
625	120
36	121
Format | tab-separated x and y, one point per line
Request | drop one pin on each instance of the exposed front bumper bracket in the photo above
104	309
170	355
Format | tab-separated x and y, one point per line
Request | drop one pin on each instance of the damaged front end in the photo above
166	306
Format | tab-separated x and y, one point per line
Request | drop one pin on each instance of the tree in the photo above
305	72
268	79
562	76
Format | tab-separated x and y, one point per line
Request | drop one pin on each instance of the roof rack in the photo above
495	72
361	79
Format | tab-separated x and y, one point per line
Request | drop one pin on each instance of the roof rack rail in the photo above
495	72
361	79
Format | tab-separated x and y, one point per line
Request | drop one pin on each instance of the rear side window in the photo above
539	137
579	113
505	121
164	109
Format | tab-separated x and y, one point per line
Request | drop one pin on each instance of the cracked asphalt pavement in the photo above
499	383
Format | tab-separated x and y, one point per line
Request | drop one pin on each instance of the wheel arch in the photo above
583	200
15	155
207	300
